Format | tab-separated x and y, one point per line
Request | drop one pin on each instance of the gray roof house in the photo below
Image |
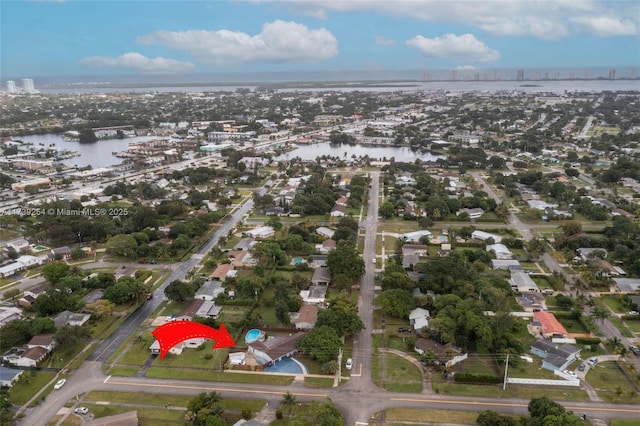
321	276
627	285
8	376
70	318
554	357
209	290
315	295
275	348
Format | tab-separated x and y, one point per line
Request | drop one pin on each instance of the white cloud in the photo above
138	62
279	42
606	26
464	46
545	19
464	68
384	41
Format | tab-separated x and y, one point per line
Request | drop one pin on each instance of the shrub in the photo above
278	414
476	378
246	413
588	340
208	356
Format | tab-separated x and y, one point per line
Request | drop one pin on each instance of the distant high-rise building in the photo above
495	75
612	74
634	73
28	86
11	86
454	75
520	75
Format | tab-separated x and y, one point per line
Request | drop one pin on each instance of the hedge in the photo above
588	340
476	378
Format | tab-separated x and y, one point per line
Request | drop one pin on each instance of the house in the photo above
93	296
18	245
130	418
475	213
414	249
70	318
627	285
209	290
554	357
338	211
274	211
522	282
318	260
484	236
36	291
500	251
307	317
11	269
190	310
419	318
275	348
326	246
261	232
410	260
208	309
244	244
315	295
27	260
321	276
222	272
237	358
24	357
448	354
8	314
501	264
546	325
414	237
325	232
588	254
532	301
342	201
8	376
46	341
635	303
60	253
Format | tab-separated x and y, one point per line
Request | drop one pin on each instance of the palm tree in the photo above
288	400
599	314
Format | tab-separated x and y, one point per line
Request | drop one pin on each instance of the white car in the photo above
570	373
373	261
349	364
81	410
60	383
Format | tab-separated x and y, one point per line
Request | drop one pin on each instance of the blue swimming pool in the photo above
442	238
297	260
286	365
252	335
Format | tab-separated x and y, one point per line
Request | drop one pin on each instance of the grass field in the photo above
28	385
398	415
611	384
318	382
193	374
146	416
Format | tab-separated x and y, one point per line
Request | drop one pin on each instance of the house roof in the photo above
321	275
549	323
191	309
221	271
36	353
431	345
210	288
65	317
8	374
308	313
628	285
41	340
557	355
278	346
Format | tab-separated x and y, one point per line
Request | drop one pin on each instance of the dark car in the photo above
581	367
404	330
634	349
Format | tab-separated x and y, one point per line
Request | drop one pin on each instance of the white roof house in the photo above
500	250
522	282
209	290
483	236
11	269
261	232
415	236
419	318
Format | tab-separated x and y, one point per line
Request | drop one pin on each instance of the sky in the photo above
85	37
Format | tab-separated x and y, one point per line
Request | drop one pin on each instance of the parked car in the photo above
404	330
60	383
634	349
570	373
349	364
633	313
373	261
581	367
81	410
593	361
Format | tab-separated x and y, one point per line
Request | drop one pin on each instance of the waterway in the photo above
312	151
97	154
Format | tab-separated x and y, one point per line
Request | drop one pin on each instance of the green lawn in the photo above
146	416
615	302
214	376
523	392
318	382
139	398
194	358
398	415
29	383
119	370
610	383
625	422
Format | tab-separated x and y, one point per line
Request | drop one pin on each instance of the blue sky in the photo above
57	38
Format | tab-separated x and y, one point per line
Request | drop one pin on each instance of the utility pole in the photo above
506	368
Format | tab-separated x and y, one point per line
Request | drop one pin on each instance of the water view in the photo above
311	152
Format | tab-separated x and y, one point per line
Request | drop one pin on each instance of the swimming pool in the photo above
442	238
287	365
252	335
297	260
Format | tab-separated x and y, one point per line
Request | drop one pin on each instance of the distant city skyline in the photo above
62	38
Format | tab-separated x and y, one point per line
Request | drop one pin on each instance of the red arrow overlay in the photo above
172	333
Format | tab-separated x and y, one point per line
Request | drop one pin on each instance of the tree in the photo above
321	343
288	401
342	316
387	210
100	308
571	227
326	414
6	415
396	302
87	136
55	271
122	245
491	418
539	408
399	280
269	253
329	367
70	335
179	291
346	260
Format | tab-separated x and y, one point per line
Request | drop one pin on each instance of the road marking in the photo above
107	379
154	385
510	404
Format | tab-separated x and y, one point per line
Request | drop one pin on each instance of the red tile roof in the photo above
549	323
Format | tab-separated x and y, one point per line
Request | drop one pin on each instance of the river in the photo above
312	151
